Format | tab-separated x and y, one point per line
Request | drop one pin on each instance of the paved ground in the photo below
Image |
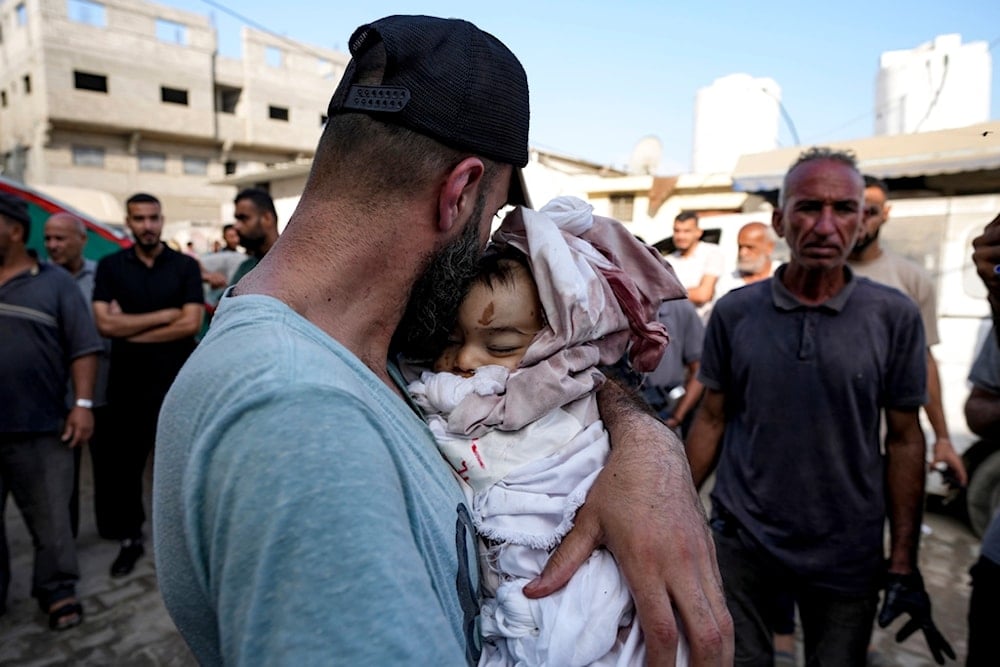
126	624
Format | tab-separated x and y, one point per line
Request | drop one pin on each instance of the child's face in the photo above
495	326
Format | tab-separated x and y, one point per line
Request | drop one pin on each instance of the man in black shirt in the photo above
148	300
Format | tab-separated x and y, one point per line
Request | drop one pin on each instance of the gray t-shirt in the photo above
909	278
302	512
801	467
686	335
85	281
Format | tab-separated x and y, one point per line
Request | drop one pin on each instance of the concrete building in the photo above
126	95
939	85
737	114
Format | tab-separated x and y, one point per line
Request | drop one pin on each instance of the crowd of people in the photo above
776	349
390	454
98	360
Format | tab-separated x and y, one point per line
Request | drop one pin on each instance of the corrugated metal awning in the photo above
971	148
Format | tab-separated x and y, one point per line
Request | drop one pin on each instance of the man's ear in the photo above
885	212
777	222
457	196
15	230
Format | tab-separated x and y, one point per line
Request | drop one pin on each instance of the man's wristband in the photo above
84	403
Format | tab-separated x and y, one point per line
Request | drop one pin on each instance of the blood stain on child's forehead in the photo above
487	316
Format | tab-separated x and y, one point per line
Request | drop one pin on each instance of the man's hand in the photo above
214	279
946	457
644	508
904	593
986	256
79	427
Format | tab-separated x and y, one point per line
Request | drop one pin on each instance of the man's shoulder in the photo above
52	271
678	308
872	292
54	275
909	269
709	249
891	260
892	267
169	255
296	347
115	257
744	292
875	286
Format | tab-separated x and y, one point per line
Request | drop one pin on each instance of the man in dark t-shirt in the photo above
148	300
46	337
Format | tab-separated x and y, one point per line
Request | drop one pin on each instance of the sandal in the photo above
66	616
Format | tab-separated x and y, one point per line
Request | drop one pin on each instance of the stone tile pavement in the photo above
125	622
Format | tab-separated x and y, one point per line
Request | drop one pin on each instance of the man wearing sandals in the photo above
48	337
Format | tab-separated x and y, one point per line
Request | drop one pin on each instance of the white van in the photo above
936	233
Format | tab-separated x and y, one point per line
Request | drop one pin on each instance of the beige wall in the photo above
131	119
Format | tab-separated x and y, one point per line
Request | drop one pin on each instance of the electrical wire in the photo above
885	106
937	93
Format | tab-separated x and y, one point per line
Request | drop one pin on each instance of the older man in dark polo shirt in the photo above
799	369
148	300
46	336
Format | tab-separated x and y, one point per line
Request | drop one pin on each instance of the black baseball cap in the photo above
448	80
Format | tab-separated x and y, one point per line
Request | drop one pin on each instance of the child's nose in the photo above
468	359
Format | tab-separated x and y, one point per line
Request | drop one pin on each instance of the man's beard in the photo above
863	242
751	267
252	245
147	247
436	296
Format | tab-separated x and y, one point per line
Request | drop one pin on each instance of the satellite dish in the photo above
646	156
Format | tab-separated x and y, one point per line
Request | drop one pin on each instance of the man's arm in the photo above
80	421
184	326
704	291
644	508
215	279
692	392
904	451
705	436
982	412
112	323
986	255
944	451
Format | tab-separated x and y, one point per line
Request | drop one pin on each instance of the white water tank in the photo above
939	85
735	115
